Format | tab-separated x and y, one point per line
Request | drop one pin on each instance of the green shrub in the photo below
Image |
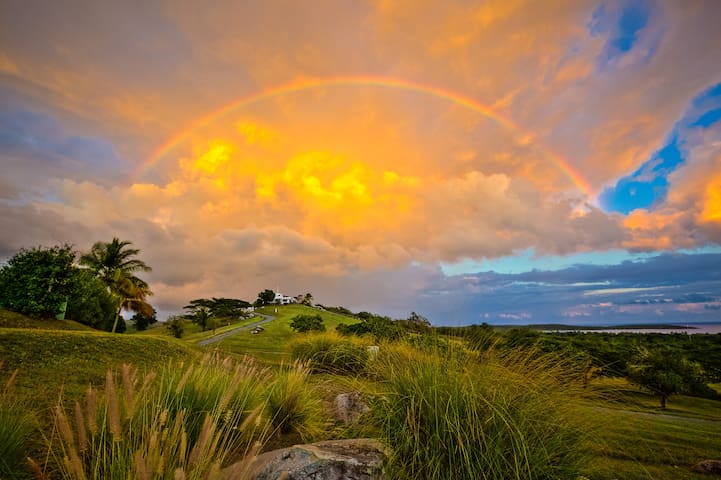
329	353
293	406
307	323
504	418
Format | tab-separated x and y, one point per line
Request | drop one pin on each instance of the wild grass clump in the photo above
187	423
292	404
332	353
507	417
17	425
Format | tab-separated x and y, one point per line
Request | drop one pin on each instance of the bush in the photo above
307	323
505	418
329	353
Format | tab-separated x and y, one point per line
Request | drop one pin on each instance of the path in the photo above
217	338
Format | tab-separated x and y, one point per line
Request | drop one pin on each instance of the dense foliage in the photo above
307	323
39	281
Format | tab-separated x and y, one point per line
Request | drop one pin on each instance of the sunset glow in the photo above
469	161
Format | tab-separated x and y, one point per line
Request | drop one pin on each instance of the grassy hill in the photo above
10	319
636	441
270	346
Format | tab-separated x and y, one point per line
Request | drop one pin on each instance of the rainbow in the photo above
382	82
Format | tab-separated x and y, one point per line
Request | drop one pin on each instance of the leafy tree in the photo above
90	302
115	264
37	281
307	299
665	373
307	323
266	297
142	321
175	325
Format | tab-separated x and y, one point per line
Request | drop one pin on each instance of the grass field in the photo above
271	346
636	439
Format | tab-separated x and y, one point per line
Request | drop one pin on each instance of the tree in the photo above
664	373
175	325
142	321
307	323
90	302
37	281
307	299
266	297
115	264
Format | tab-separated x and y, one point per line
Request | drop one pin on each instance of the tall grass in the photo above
332	353
505	417
293	405
17	425
185	423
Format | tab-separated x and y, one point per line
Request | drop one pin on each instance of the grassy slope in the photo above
636	441
10	319
271	345
51	361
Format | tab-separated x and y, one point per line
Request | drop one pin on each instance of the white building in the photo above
281	299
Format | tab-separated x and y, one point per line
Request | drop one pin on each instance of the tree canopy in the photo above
307	323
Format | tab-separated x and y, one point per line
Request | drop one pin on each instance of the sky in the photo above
508	162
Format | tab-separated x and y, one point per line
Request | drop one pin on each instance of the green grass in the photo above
53	360
10	319
272	346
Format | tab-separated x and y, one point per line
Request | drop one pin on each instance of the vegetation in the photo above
307	323
182	423
17	425
175	325
142	320
265	297
115	265
489	403
330	353
513	416
208	313
293	406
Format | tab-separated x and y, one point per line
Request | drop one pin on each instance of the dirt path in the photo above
219	337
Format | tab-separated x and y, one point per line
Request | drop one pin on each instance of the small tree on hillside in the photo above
307	323
664	373
142	321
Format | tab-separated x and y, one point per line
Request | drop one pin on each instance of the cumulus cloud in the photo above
106	129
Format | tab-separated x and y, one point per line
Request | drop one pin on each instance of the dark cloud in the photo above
668	288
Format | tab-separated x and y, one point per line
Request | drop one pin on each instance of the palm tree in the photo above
115	266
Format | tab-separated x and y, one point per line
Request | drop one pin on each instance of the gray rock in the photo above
358	459
712	467
349	406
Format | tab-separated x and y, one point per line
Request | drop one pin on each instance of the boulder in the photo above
349	406
712	467
357	459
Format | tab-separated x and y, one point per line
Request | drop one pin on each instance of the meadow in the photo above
446	410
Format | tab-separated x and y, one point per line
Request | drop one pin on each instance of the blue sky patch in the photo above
648	185
621	24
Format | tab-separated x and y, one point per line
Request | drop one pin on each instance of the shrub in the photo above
293	407
307	323
329	353
505	418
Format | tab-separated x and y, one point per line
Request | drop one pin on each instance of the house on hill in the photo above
281	299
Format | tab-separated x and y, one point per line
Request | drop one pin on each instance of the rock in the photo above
358	459
349	406
712	467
